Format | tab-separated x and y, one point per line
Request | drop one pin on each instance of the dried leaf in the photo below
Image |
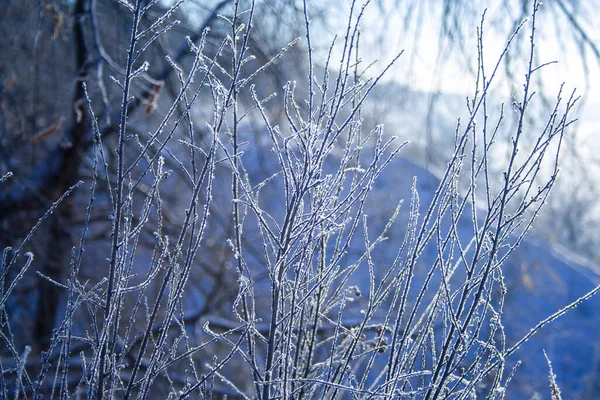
58	22
153	98
44	133
57	18
77	110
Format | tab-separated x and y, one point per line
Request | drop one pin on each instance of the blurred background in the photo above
46	51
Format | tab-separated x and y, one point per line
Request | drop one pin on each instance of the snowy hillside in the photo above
539	278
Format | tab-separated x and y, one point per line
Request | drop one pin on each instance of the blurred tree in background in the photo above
54	145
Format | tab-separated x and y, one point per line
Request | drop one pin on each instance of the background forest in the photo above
273	199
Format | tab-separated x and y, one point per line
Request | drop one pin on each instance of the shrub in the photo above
239	259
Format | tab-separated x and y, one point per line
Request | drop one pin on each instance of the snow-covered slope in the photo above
540	278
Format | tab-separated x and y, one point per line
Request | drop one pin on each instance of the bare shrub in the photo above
224	246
